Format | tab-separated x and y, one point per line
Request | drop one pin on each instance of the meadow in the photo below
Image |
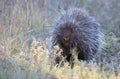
25	41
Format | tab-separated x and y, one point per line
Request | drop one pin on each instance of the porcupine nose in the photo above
66	38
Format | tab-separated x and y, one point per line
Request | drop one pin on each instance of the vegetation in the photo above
25	27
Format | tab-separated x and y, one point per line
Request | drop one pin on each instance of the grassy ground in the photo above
19	60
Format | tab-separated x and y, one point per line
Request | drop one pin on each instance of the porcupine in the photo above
77	29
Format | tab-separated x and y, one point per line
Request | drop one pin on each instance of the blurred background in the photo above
38	16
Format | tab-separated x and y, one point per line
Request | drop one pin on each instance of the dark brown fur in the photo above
76	29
